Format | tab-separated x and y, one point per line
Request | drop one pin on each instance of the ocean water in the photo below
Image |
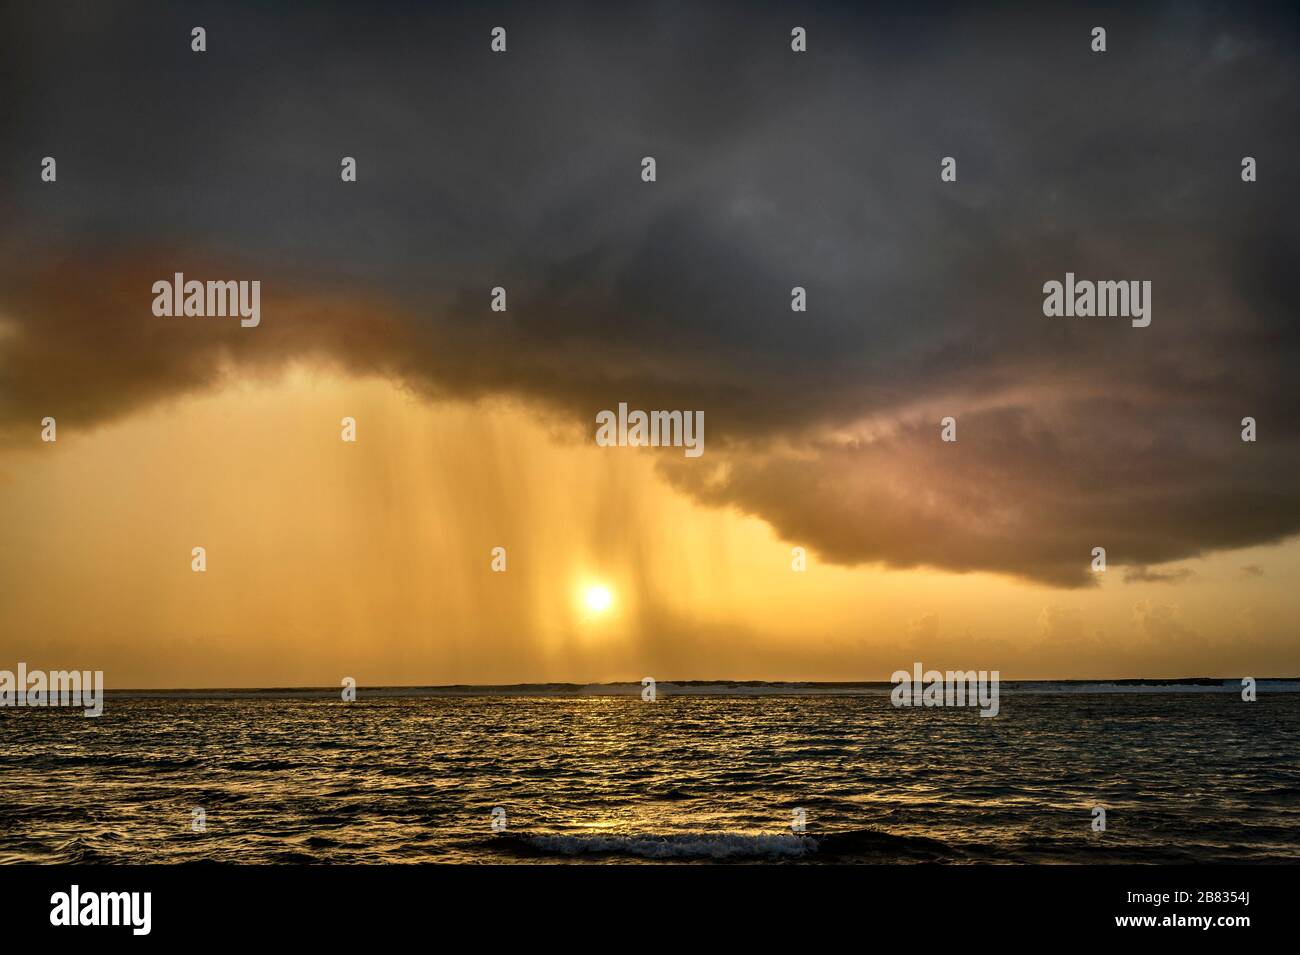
706	773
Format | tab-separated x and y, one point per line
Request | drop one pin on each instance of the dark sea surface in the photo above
703	773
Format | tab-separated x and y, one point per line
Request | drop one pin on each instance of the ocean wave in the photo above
872	845
682	846
831	846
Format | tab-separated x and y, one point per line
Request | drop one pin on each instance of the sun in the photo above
598	599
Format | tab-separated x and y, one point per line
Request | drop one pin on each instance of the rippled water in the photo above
1184	777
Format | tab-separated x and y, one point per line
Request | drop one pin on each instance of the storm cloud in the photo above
775	170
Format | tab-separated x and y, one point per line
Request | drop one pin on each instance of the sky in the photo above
475	429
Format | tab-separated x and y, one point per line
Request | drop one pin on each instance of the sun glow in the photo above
598	598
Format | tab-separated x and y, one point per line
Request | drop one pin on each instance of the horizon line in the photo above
334	688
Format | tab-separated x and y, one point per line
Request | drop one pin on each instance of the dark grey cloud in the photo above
775	170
